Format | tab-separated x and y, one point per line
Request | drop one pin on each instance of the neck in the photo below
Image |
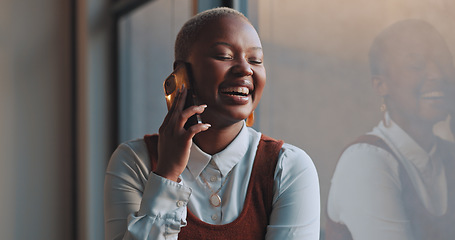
215	139
419	130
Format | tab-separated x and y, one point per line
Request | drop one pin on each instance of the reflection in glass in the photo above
396	181
319	95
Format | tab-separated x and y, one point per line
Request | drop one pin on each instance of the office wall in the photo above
35	120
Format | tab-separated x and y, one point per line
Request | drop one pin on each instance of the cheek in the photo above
210	71
260	79
207	79
403	94
407	83
203	75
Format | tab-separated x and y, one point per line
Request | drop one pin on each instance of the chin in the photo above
239	113
433	110
223	118
434	116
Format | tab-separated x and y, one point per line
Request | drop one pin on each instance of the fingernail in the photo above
207	125
203	106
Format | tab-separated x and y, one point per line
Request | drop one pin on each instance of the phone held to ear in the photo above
181	77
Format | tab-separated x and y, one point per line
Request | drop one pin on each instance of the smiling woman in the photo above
412	67
226	62
396	181
218	179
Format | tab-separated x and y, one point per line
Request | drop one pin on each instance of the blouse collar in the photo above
224	160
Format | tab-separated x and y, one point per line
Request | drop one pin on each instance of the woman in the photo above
219	179
396	181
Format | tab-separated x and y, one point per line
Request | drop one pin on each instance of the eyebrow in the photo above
230	45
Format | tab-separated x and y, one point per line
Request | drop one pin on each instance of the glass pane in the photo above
319	93
146	43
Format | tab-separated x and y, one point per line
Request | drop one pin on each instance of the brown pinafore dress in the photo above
254	218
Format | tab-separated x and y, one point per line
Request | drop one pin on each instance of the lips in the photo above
433	95
237	91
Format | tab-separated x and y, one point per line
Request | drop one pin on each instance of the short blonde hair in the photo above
190	31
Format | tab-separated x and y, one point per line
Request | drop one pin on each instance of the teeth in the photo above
236	90
434	94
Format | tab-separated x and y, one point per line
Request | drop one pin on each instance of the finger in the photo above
175	118
190	111
175	105
195	129
180	101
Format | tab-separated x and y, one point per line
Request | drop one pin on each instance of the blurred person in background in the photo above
397	181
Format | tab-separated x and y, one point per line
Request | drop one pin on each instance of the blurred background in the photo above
77	77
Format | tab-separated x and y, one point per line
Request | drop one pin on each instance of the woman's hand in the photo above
174	140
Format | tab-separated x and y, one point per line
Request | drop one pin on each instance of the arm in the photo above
296	201
155	203
366	195
138	205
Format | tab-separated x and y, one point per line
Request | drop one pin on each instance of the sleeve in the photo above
139	204
296	201
366	195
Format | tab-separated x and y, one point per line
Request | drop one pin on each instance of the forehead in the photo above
415	43
228	28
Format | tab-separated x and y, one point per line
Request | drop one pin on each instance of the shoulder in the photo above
136	147
291	159
130	156
291	154
294	161
296	177
366	154
288	155
364	164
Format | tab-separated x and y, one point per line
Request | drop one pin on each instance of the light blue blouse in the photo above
142	205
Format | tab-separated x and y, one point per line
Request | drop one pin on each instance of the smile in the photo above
236	91
432	95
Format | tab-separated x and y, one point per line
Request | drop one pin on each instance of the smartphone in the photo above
181	77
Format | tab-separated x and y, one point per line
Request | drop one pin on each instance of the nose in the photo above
242	68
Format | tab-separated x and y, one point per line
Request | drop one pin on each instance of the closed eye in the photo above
223	57
255	61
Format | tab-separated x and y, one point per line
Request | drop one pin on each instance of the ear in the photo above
178	63
380	85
